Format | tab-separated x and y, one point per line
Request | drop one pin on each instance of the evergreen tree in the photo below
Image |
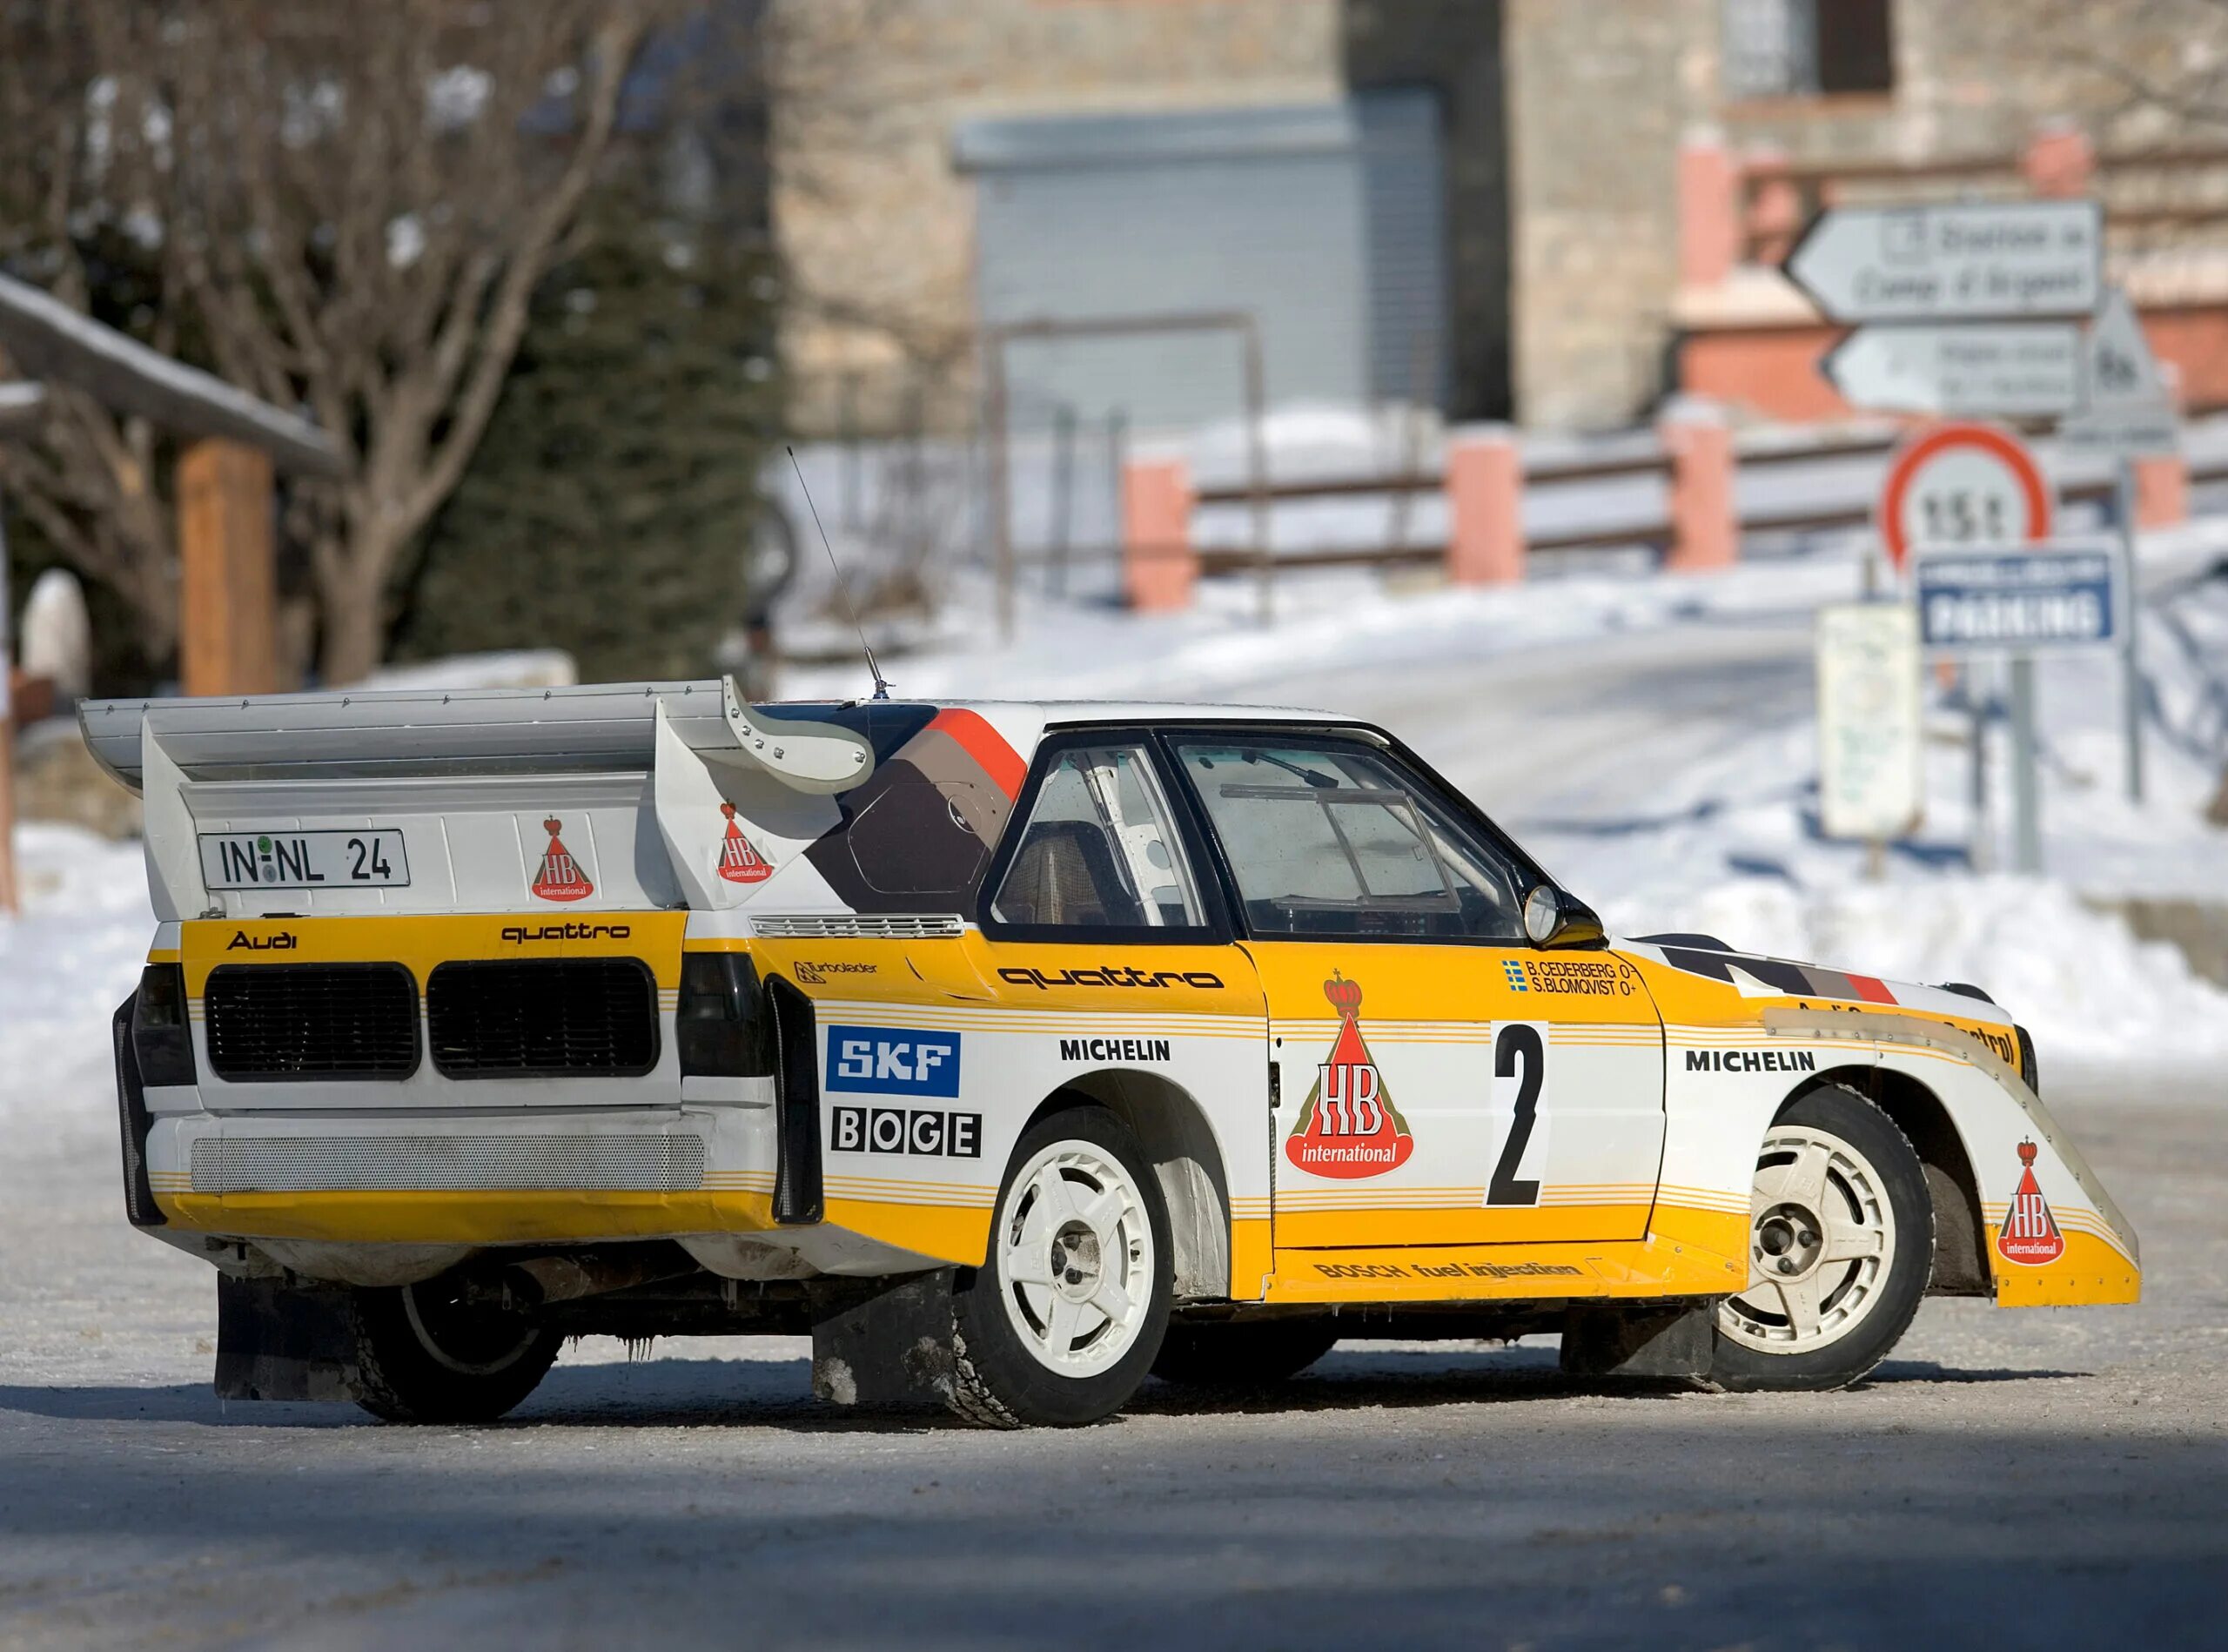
610	508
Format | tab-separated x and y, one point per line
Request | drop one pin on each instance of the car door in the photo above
1439	1080
1108	968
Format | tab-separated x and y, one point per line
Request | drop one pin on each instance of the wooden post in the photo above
228	609
1158	565
1705	522
1485	506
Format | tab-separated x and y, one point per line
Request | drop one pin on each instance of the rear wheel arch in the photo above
1960	1257
1187	1162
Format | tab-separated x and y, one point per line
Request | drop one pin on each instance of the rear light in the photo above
161	1036
722	1024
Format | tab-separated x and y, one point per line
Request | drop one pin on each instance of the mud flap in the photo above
276	1341
893	1350
1674	1342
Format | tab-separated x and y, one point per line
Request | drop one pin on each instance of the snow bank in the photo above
65	964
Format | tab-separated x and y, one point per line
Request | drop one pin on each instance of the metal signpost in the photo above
2128	414
2039	599
1974	308
1969	486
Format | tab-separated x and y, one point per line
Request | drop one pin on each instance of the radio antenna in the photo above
843	591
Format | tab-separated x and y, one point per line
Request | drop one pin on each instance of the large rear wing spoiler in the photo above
395	733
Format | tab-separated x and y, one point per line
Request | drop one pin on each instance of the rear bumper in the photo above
477	1180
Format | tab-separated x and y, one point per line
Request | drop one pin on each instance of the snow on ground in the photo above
65	964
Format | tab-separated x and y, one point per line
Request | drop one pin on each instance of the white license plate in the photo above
304	860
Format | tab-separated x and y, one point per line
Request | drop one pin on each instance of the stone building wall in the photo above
875	227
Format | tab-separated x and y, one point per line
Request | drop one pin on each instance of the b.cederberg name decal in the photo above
1751	1061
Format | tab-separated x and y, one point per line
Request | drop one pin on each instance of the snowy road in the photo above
2010	1479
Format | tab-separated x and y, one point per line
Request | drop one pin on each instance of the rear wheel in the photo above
1233	1356
424	1356
1841	1243
1064	1320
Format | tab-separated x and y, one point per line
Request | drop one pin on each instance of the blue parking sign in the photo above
2040	600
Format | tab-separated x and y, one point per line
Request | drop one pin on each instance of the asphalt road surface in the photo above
2008	1480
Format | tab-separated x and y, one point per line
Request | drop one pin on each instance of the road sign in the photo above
2012	367
2127	413
1962	485
2041	598
1870	783
1983	261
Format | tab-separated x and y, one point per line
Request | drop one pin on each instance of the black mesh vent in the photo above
273	1022
543	1019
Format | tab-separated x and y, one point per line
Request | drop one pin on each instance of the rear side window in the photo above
1100	850
1339	839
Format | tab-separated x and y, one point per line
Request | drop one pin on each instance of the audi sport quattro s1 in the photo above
1014	1051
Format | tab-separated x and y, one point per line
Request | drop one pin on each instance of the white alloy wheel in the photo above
1822	1240
1076	1263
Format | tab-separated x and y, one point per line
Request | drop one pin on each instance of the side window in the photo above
1338	839
1099	850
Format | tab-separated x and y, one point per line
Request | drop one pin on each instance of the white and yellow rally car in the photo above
1012	1051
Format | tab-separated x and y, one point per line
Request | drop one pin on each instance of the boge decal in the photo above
1349	1128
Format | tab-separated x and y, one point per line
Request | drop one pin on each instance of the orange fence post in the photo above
1705	524
1485	506
1709	209
2162	482
228	619
2059	160
1773	217
1159	565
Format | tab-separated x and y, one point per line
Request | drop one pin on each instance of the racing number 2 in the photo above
1519	1054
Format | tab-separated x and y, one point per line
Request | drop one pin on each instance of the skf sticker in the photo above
1349	1128
739	862
560	877
893	1061
2029	1235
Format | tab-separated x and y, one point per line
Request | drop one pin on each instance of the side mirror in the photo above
1555	917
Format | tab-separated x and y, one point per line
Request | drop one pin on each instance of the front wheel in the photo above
424	1356
1840	1244
1063	1319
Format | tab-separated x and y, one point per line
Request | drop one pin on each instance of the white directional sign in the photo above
2009	367
1984	261
2127	412
1870	782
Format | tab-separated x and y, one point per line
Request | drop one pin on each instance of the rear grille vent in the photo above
299	1164
272	1022
543	1019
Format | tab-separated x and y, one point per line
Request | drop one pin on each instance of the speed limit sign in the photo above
1963	484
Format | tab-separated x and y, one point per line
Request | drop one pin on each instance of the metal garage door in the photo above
1270	210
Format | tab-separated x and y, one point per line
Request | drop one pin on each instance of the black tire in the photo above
1237	1356
1892	1289
422	1357
999	1380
